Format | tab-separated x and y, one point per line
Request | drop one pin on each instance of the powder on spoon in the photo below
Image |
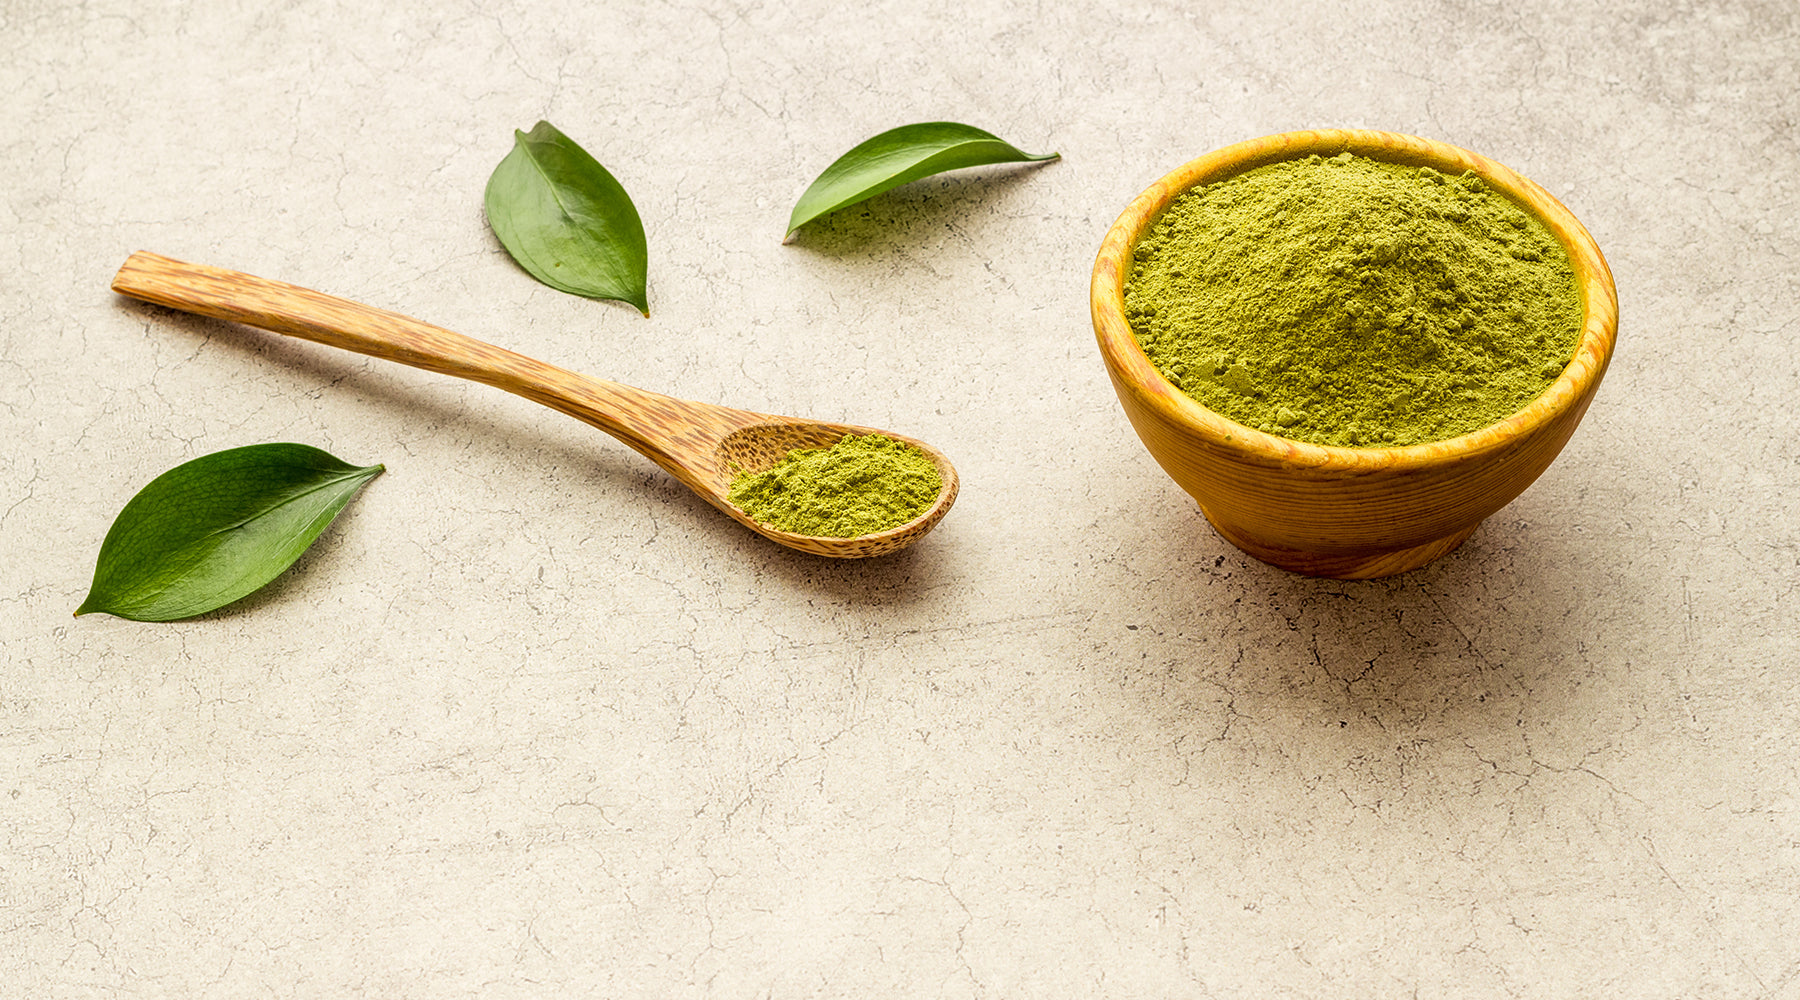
858	486
1349	301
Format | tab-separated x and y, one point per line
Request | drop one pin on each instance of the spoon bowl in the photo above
759	447
703	445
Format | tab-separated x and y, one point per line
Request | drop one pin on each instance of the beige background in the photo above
532	721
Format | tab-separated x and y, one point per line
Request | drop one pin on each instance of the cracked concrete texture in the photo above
532	720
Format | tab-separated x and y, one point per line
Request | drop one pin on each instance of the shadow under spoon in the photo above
703	445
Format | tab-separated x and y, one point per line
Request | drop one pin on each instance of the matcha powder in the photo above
1348	301
858	486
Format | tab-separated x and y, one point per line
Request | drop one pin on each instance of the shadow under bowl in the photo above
1323	510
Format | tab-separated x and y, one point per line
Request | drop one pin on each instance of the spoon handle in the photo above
680	435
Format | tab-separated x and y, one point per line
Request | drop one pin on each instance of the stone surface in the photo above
532	721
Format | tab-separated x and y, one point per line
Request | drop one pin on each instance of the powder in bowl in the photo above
861	485
1354	302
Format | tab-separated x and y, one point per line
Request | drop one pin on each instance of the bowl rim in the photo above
1133	370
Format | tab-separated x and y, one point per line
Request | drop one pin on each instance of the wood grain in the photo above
1348	512
703	445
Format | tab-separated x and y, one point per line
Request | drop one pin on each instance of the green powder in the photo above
1347	301
858	486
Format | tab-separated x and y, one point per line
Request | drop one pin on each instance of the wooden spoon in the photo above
701	444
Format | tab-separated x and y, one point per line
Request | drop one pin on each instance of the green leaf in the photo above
566	220
900	155
210	531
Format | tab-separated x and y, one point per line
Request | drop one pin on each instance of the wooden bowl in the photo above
1334	511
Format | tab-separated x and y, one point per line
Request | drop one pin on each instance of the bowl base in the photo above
1361	565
